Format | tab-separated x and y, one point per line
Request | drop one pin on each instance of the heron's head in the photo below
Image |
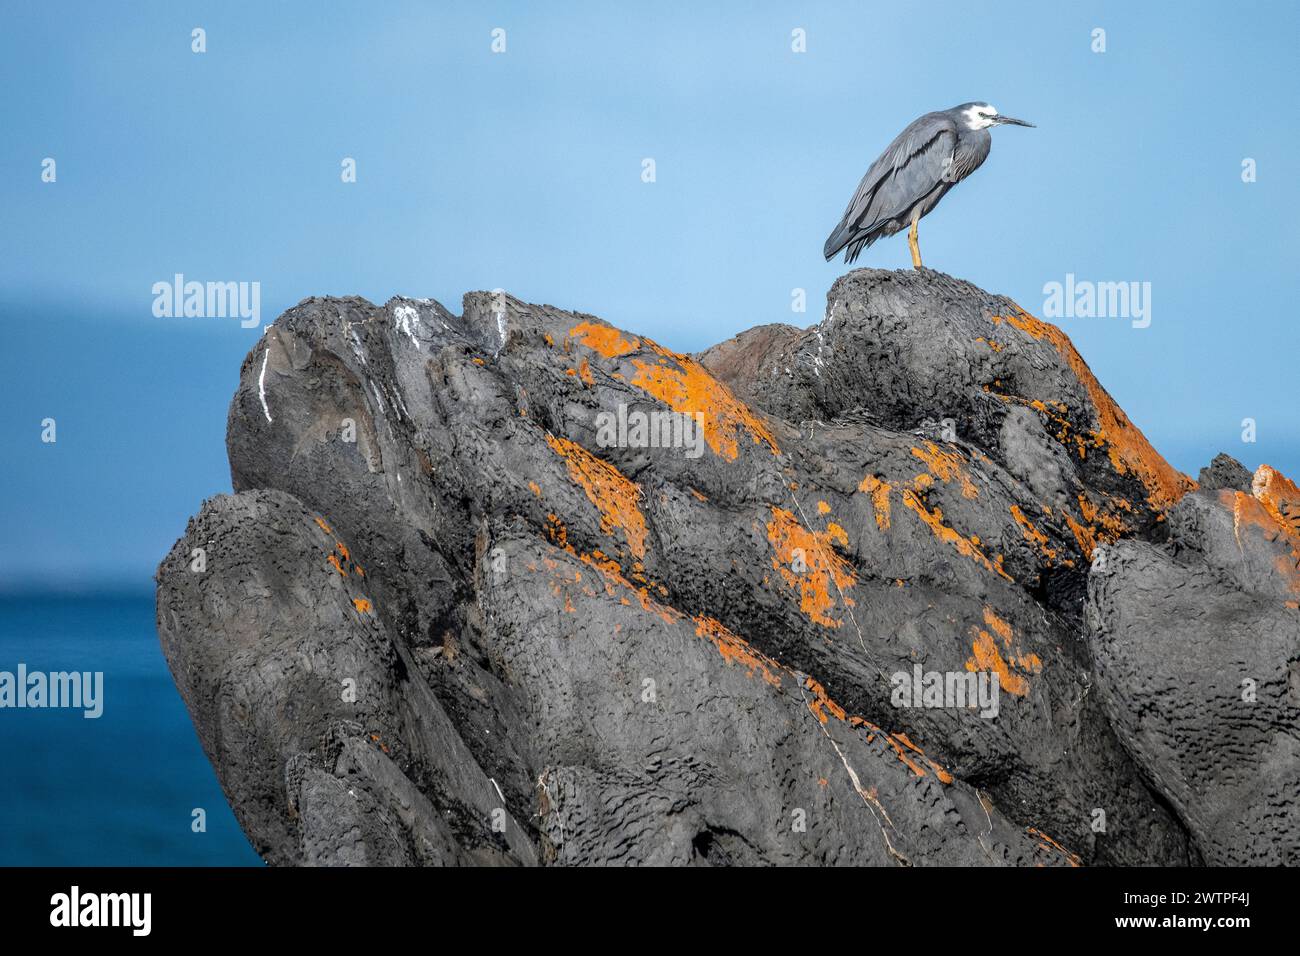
983	115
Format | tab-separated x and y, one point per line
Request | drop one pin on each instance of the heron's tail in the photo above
846	235
838	239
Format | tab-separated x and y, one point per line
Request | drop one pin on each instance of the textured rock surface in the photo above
1198	663
1224	472
444	620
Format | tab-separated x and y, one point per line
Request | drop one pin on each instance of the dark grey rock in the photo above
581	653
1196	645
1224	472
330	748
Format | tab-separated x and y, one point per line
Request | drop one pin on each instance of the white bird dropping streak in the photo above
408	320
261	383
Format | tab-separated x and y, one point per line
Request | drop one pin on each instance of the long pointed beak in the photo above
1013	121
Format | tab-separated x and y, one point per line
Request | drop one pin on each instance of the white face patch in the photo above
979	116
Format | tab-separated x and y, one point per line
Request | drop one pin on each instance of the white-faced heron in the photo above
933	154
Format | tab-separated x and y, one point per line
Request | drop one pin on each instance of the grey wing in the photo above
918	161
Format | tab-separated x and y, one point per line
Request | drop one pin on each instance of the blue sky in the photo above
522	170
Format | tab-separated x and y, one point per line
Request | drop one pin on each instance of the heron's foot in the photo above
914	246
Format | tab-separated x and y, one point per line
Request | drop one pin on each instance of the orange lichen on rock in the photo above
894	742
584	372
1099	527
879	491
985	655
1032	534
557	532
563	582
1288	568
1065	431
943	775
736	650
809	565
822	706
965	546
604	339
823	508
613	493
1047	843
946	466
339	557
690	390
614	580
1129	450
1273	508
683	385
362	605
1247	510
1280	498
825	709
999	627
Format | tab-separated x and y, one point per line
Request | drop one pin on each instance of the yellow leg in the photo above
914	246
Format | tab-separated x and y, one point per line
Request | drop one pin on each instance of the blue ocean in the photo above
120	789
